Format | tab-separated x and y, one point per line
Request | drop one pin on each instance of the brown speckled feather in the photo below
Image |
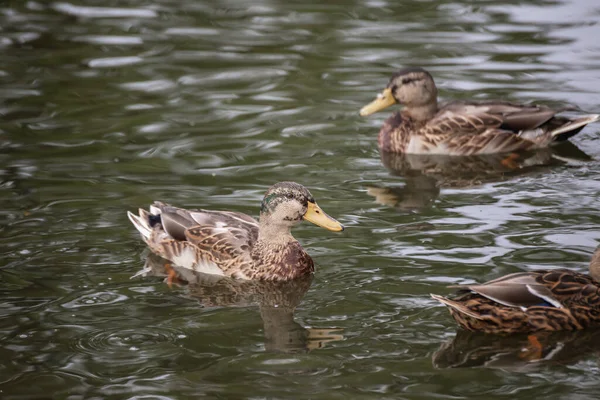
228	242
528	302
464	127
234	244
287	262
453	133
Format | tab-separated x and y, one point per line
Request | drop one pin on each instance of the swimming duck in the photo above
527	302
234	244
463	127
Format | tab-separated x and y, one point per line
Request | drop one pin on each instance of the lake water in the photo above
107	106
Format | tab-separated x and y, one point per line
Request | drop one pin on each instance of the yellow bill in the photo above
383	100
318	217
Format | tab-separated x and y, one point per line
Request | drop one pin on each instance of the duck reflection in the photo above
277	302
520	352
426	175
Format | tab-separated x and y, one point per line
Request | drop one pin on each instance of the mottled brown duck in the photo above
234	244
526	302
464	127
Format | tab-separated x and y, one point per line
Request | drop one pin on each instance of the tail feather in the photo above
154	210
141	224
572	127
145	216
456	306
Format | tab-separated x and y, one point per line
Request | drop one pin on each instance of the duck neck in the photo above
276	254
421	113
273	233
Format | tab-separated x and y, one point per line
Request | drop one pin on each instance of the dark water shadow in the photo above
426	175
277	302
516	352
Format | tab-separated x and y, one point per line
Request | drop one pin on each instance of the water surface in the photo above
108	106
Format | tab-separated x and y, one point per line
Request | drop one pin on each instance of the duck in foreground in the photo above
527	302
463	127
235	244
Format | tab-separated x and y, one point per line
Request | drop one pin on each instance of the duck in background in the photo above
461	128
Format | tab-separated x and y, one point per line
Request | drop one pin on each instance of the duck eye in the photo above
406	81
289	196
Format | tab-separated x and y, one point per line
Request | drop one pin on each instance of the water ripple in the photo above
94	299
103	12
107	107
114	345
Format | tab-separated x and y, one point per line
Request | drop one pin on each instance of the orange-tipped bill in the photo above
383	100
318	217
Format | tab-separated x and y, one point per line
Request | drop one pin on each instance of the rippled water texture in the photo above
106	106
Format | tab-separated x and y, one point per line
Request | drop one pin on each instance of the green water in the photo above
206	104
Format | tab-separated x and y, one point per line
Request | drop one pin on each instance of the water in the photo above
108	106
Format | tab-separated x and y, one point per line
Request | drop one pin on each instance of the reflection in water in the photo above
520	352
203	104
276	300
425	175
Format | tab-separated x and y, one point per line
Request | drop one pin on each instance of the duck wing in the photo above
513	117
215	242
557	288
532	122
468	131
522	289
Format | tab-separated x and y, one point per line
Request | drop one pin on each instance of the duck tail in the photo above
141	223
455	306
572	127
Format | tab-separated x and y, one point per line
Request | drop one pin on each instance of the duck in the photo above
529	302
233	244
462	128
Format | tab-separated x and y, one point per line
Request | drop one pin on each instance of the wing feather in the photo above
470	131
